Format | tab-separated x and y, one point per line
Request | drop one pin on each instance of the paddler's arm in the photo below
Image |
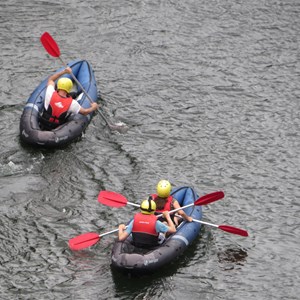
52	78
181	212
171	225
122	232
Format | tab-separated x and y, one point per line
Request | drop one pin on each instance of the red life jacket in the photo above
143	231
57	111
167	204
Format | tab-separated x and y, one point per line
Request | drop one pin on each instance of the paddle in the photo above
52	48
226	228
114	199
88	239
117	200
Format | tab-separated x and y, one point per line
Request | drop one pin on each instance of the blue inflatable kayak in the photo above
30	129
129	259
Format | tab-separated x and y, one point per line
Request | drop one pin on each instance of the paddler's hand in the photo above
166	214
95	106
189	219
122	227
68	70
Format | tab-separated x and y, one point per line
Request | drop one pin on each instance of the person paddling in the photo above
59	105
165	201
145	228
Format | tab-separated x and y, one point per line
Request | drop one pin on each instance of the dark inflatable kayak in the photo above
30	129
130	259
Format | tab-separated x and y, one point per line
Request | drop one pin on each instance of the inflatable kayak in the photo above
31	131
129	259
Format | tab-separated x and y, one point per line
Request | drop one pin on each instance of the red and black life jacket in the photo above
57	111
143	231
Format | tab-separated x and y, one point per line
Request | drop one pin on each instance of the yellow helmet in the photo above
65	84
164	189
148	207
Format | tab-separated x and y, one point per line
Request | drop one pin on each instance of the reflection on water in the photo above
231	257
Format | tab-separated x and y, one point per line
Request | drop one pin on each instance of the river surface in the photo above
210	92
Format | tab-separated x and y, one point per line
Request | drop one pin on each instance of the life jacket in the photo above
168	204
57	111
143	231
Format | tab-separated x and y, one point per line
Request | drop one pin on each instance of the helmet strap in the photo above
149	207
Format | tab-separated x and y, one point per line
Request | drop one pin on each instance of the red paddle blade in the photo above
50	45
206	199
233	230
84	241
112	199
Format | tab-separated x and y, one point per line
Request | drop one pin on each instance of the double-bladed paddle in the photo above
114	199
89	239
52	48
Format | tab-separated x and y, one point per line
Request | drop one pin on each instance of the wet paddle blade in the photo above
50	45
233	230
120	127
112	199
209	198
83	241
